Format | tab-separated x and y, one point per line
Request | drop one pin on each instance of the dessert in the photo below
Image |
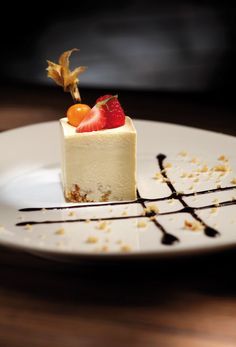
98	144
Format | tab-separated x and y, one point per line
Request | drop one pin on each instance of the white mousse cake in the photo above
99	165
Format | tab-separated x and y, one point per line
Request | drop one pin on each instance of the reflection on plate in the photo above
186	196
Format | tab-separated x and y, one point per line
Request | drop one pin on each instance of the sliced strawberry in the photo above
93	121
114	112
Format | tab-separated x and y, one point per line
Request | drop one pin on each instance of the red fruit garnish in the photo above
114	112
93	121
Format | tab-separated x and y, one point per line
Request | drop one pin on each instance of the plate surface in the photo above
186	204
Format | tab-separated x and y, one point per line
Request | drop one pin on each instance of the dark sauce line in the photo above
208	231
167	238
173	195
32	209
208	191
77	220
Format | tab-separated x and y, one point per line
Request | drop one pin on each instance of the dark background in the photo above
181	45
174	53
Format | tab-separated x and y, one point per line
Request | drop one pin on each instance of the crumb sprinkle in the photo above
203	169
167	165
141	224
125	248
222	168
105	248
28	227
102	225
194	160
223	158
171	201
183	154
60	231
150	210
152	218
233	181
193	225
91	239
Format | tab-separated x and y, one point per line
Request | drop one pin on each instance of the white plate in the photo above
30	178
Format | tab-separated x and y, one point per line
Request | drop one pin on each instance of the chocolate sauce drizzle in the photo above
167	238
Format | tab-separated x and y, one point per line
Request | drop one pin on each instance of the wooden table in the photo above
188	302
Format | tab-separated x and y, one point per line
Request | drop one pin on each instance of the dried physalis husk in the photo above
62	75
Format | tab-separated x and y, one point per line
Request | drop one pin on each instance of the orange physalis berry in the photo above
76	113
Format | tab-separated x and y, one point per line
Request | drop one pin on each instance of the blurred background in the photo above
167	48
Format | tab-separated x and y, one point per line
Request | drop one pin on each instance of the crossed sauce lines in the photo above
167	238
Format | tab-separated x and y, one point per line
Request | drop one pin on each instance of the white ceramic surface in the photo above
30	178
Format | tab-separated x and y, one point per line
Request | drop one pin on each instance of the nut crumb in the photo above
87	221
105	248
125	248
152	218
222	168
180	192
71	214
194	160
165	180
141	224
151	209
193	225
171	201
60	231
184	175
183	153
203	169
102	225
28	227
91	239
223	158
124	213
233	181
158	176
167	165
214	209
119	242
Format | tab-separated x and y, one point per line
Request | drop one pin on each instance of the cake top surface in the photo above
69	130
